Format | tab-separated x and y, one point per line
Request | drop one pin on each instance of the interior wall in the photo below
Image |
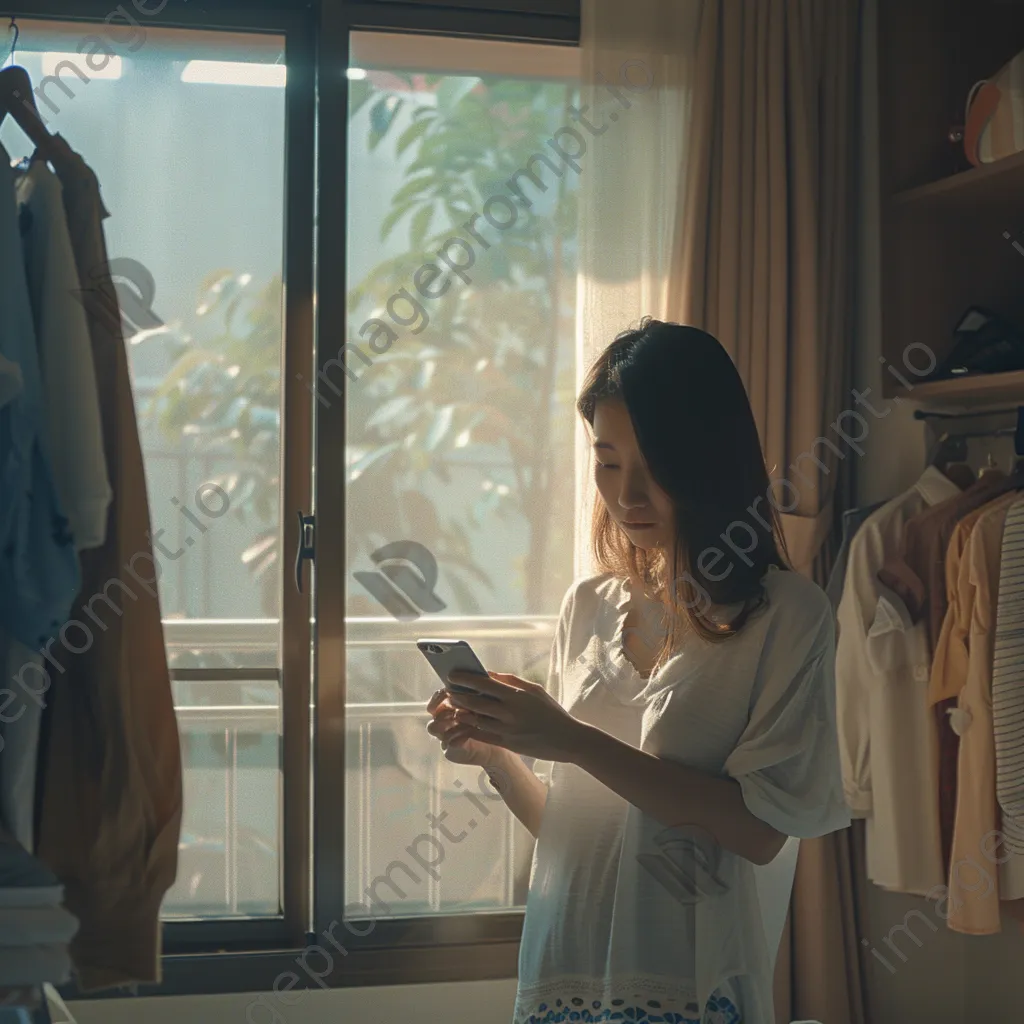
937	975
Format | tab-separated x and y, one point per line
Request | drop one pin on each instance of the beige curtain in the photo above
722	194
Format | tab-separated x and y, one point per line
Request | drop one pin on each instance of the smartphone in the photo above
448	655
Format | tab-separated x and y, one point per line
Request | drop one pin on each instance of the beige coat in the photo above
110	786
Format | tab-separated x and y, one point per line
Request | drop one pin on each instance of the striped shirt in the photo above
1008	680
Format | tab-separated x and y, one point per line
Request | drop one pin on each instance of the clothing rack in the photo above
1017	432
1001	432
928	414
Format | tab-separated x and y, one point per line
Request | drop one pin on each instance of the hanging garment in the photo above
951	657
11	383
624	915
110	796
65	356
39	571
887	735
1008	682
24	692
918	575
982	881
853	519
918	572
23	681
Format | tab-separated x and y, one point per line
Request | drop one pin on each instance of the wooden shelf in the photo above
1000	184
991	389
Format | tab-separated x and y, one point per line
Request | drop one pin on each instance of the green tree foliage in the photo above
490	376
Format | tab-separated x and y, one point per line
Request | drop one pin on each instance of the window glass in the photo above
193	178
460	364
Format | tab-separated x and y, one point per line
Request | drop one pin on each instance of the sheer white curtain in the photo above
724	195
637	71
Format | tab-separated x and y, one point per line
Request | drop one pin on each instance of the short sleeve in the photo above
559	645
556	668
856	679
787	758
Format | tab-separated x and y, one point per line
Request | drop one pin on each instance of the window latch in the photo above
307	545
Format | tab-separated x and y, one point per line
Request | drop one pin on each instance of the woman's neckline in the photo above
618	643
718	614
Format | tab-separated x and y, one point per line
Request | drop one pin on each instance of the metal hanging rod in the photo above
923	414
967	435
958	436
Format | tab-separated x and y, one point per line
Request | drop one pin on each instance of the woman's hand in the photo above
444	721
513	714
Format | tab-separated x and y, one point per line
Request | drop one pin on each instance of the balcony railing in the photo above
227	683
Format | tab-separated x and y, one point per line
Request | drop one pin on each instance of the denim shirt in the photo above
39	569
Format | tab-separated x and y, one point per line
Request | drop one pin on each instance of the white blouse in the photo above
628	920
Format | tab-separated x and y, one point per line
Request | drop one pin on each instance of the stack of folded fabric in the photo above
34	928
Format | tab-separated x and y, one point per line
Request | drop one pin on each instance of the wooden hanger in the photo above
1017	477
1015	481
18	100
990	467
949	457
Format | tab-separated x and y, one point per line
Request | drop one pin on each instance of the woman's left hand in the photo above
515	714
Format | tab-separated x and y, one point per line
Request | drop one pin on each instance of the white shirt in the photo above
624	913
73	426
887	731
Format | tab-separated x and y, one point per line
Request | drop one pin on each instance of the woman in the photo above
678	763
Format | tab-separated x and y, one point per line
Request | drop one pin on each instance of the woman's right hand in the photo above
444	719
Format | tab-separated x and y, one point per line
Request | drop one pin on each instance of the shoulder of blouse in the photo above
588	603
797	605
587	594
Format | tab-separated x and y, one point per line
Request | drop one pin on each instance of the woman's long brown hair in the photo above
696	433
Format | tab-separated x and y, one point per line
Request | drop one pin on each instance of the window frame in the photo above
440	948
237	955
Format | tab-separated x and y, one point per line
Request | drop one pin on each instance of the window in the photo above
194	180
459	437
430	430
